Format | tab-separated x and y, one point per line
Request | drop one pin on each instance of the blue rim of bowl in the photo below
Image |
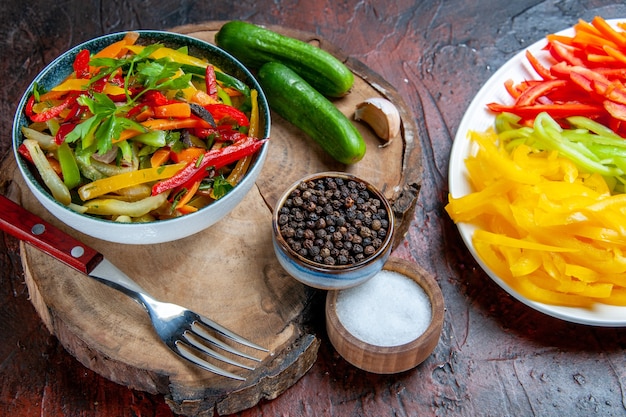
60	67
333	269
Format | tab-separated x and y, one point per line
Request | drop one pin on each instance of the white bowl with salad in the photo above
142	137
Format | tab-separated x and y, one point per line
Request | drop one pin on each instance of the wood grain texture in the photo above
495	357
228	272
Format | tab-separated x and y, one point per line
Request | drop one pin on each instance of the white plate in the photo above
478	118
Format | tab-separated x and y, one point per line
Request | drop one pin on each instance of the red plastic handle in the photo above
26	226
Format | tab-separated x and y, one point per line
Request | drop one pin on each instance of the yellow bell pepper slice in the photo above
552	232
107	185
174	55
115	207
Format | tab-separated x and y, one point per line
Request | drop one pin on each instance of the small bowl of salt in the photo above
389	324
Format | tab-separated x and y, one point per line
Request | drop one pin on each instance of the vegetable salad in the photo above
141	132
548	178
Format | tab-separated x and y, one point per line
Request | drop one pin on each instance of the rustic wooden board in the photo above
227	272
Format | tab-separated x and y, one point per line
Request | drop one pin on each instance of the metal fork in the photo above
187	333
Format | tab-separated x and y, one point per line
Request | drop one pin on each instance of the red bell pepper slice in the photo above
135	110
223	133
540	69
155	98
557	110
73	112
23	150
532	94
49	113
63	131
616	110
562	52
215	159
223	113
81	64
210	81
99	85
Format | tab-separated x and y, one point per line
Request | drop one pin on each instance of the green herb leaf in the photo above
221	187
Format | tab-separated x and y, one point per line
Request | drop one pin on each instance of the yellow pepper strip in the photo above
128	179
187	93
72	84
172	54
253	130
500	240
617	297
80	84
54	183
500	160
553	233
115	207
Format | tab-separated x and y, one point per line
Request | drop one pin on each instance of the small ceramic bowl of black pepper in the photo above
332	230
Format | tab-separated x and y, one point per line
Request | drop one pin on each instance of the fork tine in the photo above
207	350
185	351
229	334
200	331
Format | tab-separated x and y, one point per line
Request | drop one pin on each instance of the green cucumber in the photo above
255	46
299	103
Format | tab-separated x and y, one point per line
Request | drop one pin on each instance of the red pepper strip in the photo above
583	82
616	110
539	68
23	150
561	70
117	79
223	133
215	158
51	112
594	82
557	110
135	110
230	135
211	81
73	112
612	73
223	113
64	129
532	94
592	76
81	64
205	132
616	91
99	85
566	53
155	98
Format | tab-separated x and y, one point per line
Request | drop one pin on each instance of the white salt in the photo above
388	310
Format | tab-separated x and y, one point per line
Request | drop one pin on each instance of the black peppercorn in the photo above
333	221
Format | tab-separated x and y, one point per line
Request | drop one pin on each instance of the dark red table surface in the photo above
496	357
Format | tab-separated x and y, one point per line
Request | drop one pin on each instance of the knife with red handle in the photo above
26	226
